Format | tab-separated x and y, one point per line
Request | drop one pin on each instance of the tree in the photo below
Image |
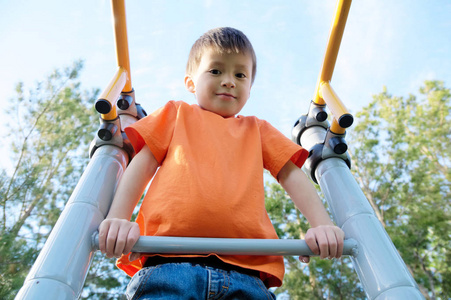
52	126
401	158
402	162
320	279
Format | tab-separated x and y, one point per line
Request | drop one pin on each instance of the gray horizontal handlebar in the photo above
225	246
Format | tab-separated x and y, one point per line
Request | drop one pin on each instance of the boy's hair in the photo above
223	40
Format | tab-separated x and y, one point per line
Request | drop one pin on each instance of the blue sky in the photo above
397	44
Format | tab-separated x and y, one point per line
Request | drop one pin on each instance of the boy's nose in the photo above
228	83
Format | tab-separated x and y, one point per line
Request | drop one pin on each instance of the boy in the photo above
210	184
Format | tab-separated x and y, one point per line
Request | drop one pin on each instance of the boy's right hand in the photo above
117	237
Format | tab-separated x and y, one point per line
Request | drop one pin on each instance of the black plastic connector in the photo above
107	131
103	106
318	112
346	120
124	102
338	145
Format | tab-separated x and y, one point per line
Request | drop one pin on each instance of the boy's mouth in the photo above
227	95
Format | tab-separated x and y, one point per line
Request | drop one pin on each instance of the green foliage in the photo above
320	279
104	281
51	127
401	159
402	162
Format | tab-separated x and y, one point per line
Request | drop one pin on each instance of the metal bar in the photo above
121	40
225	246
106	104
333	45
381	270
336	128
62	265
336	106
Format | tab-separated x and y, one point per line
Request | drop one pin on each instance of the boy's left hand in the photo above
325	241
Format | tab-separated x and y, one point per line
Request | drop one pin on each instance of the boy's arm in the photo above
117	235
324	238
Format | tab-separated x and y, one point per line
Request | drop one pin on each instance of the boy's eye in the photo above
215	72
240	75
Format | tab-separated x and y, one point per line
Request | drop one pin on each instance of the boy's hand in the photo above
117	237
325	241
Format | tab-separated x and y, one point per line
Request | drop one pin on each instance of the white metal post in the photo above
60	269
381	270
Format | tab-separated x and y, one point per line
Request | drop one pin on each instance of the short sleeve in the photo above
155	131
278	149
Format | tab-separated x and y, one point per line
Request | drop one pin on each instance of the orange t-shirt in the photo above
210	180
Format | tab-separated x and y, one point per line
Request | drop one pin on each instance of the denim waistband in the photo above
208	261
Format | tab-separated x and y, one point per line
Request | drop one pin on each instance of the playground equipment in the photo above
61	267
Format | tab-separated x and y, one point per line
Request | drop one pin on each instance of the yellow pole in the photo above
324	94
121	81
111	93
333	45
338	109
121	40
336	128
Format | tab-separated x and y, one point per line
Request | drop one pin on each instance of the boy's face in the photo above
222	82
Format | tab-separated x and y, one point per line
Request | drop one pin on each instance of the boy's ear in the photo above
189	84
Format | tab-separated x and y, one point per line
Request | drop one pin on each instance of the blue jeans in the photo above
188	281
